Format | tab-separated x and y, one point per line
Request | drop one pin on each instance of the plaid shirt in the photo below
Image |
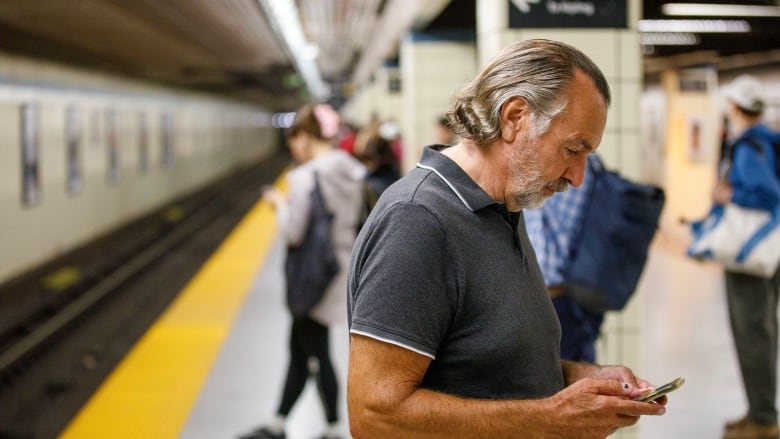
555	227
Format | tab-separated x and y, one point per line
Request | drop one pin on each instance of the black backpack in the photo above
311	266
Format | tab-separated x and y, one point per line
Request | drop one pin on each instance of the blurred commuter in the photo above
553	230
442	132
390	131
748	179
452	331
340	179
377	155
347	136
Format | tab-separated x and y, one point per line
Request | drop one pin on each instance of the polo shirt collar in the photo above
466	189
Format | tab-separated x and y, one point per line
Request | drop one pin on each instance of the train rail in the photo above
64	326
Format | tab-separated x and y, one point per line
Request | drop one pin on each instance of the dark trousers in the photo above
752	305
309	339
580	329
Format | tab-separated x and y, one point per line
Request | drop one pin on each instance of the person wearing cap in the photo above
748	179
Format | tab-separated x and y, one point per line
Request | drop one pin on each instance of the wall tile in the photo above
599	44
630	64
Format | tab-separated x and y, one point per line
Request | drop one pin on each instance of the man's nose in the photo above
575	173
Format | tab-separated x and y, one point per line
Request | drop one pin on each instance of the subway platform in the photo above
214	363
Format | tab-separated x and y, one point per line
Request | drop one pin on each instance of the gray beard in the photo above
527	171
530	200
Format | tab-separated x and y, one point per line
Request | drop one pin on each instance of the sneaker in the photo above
746	429
262	433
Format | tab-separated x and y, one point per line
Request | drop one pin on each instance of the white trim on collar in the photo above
430	168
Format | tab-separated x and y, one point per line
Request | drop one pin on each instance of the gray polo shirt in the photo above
443	270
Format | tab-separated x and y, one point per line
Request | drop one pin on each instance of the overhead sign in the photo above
567	13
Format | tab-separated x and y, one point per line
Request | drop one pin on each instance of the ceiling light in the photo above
698	26
286	22
669	39
310	51
716	10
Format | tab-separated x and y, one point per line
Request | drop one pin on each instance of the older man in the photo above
452	331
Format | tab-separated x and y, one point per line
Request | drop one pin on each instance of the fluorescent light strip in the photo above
698	26
287	24
669	39
715	10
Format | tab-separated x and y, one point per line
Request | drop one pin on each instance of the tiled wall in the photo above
376	98
432	72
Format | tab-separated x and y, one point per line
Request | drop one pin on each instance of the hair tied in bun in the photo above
328	119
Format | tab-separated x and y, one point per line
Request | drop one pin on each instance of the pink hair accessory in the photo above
328	119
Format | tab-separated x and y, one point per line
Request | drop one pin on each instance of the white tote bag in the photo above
744	240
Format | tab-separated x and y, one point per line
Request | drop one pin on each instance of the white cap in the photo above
388	130
747	93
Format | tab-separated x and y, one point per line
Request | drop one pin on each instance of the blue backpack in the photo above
619	223
755	143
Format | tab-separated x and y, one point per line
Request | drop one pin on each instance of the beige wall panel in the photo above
626	99
609	148
630	64
431	72
631	155
10	175
601	45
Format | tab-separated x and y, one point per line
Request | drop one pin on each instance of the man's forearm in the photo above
574	371
432	415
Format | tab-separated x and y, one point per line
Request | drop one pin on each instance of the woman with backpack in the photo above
325	177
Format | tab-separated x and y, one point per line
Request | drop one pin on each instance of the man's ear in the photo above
512	114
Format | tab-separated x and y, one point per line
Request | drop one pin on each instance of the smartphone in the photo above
662	390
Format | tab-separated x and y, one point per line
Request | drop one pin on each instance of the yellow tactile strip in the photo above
152	391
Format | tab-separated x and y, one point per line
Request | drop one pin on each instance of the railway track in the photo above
55	353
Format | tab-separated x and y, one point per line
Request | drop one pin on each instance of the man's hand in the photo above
595	408
637	387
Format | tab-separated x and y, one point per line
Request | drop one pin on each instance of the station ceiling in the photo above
759	46
235	47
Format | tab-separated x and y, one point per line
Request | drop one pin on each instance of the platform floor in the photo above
236	385
685	334
245	384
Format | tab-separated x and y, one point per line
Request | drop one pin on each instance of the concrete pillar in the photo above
377	98
431	72
690	164
618	53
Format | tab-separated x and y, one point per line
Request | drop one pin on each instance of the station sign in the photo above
568	13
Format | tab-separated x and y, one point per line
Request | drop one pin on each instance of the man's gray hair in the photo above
538	71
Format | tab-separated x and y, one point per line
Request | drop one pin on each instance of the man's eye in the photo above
570	151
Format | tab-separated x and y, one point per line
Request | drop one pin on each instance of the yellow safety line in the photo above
152	391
